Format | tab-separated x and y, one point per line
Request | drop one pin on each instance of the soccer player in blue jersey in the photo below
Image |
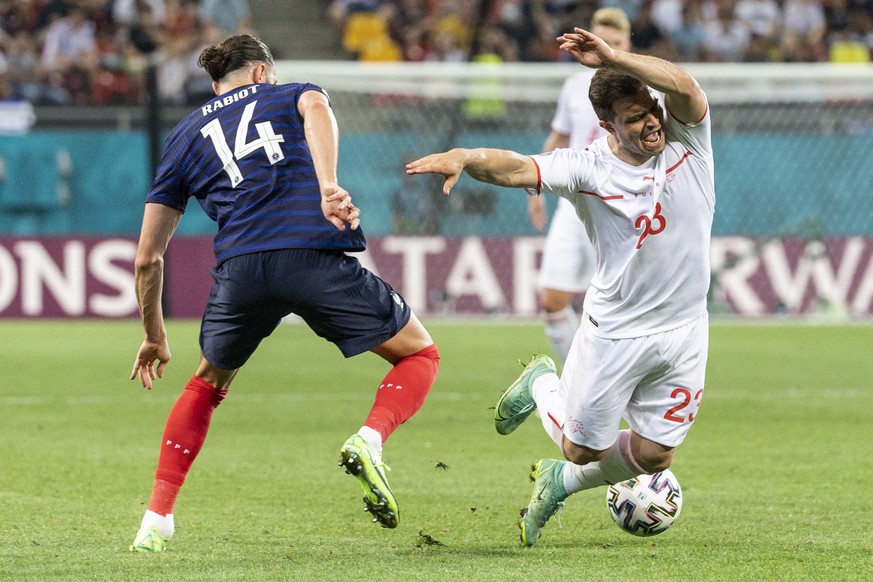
261	160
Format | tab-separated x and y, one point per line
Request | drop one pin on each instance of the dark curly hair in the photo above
233	54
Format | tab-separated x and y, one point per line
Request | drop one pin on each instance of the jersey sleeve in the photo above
696	136
169	187
564	171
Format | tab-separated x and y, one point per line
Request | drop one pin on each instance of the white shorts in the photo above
654	382
568	257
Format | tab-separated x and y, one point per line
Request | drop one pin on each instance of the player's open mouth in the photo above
652	140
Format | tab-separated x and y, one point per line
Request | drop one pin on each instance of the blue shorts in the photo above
339	300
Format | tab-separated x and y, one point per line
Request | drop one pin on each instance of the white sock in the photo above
373	438
163	523
550	405
618	465
561	327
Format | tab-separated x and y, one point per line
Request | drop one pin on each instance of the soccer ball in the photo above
645	505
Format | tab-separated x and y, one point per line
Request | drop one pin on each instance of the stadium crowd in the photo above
61	52
97	51
680	30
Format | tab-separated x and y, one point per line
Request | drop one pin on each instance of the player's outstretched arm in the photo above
683	96
158	225
499	167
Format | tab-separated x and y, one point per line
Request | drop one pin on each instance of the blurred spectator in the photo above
647	38
546	26
762	17
414	45
689	36
496	46
26	75
629	7
804	29
726	37
175	71
667	14
230	16
454	18
125	11
340	10
444	47
198	86
180	19
17	16
836	15
408	23
145	34
366	35
70	52
514	19
48	12
849	44
864	26
847	48
763	20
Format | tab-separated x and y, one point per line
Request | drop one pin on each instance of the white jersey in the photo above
574	115
650	225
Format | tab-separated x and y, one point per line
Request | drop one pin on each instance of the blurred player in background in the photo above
568	257
261	160
646	195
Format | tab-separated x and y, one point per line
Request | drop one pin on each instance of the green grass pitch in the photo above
776	472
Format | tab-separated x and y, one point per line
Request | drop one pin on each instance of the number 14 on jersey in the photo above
267	140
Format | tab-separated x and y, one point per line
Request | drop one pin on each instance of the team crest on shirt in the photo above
575	426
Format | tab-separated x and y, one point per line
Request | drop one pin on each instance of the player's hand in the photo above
143	366
587	48
450	164
536	210
336	204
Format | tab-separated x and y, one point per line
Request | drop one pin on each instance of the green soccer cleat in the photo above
517	403
149	540
360	460
547	499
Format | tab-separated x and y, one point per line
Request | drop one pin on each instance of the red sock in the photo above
184	434
403	391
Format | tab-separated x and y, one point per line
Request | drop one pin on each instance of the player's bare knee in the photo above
580	455
654	462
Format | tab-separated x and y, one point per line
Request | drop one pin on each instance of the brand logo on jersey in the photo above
576	427
397	299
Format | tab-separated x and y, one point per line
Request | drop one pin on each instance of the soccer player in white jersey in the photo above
645	194
568	257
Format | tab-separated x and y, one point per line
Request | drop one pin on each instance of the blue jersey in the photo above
244	157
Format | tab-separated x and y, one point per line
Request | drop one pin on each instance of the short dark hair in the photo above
607	87
234	53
